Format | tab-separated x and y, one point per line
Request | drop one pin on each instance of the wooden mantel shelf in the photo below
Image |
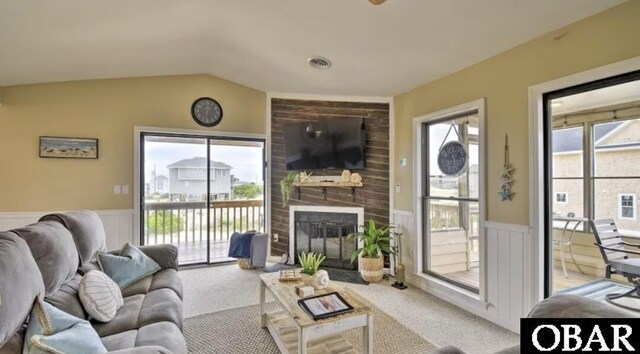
324	185
328	184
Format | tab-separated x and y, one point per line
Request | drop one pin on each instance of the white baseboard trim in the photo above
38	214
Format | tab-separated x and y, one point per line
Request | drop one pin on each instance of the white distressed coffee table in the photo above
295	332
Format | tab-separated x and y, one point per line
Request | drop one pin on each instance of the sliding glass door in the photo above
451	200
198	190
592	145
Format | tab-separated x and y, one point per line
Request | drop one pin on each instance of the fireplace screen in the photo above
326	233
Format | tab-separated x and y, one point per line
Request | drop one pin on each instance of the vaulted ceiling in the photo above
376	50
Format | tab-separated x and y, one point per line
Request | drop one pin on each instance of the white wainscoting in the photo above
509	280
118	224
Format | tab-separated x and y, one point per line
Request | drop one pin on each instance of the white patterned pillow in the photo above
100	296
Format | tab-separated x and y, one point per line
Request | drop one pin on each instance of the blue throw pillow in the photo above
128	267
51	330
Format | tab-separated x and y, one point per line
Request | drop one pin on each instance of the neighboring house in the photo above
617	154
188	179
159	185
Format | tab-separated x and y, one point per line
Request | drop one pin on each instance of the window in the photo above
451	211
568	172
627	206
562	197
611	179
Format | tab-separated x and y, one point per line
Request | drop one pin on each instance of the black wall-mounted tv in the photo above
338	143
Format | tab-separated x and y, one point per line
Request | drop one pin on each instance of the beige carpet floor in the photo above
218	288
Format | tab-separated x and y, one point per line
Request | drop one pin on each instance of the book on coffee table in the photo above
327	305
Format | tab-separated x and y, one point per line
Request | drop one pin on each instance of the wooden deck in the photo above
470	277
560	281
196	252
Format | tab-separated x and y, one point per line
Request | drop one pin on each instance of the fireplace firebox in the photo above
326	233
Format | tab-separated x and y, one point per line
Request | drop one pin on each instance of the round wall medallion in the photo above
452	158
206	111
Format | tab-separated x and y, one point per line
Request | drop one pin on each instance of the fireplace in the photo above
324	230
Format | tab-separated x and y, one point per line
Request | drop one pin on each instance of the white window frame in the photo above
634	206
566	198
447	289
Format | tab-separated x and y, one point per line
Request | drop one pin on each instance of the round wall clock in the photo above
206	111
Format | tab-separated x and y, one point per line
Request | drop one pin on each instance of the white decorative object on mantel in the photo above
356	178
305	177
506	177
346	176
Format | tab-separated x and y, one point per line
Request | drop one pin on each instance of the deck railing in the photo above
184	224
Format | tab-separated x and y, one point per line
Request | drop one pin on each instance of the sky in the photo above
245	160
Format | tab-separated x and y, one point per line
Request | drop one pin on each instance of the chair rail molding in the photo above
118	224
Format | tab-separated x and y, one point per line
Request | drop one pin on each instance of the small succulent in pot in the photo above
310	262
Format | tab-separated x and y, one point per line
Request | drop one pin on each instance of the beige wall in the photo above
107	110
504	80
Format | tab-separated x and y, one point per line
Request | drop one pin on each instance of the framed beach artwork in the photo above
68	148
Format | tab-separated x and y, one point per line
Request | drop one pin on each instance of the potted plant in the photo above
375	242
310	263
285	186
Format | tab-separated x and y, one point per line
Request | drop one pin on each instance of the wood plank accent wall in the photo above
373	196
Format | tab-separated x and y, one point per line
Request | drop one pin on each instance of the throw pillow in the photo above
100	296
51	330
128	267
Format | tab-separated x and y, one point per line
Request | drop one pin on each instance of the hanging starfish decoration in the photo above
506	177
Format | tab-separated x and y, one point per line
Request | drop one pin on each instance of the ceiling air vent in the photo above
318	62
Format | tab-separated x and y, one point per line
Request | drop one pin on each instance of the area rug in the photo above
347	276
238	331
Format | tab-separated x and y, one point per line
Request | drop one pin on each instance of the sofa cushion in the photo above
147	349
100	296
126	317
87	230
163	334
165	255
19	286
15	343
572	306
164	279
162	305
128	267
55	252
66	298
53	330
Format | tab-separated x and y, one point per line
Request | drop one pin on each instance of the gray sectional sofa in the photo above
560	306
49	258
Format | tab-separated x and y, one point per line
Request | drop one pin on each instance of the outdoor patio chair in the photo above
616	255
